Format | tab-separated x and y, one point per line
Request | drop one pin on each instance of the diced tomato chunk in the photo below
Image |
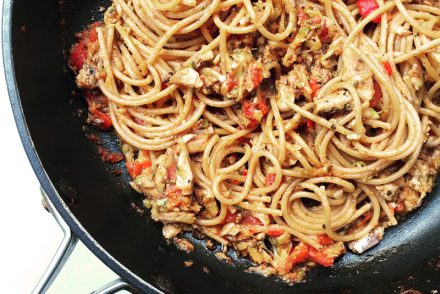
314	86
230	217
299	254
231	81
366	7
248	109
302	16
106	121
366	219
89	34
145	164
323	36
324	239
174	196
377	94
92	34
263	106
78	56
78	53
274	232
136	168
251	220
388	68
320	257
252	123
256	74
270	179
310	124
132	169
96	102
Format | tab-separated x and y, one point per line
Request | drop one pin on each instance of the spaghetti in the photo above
286	130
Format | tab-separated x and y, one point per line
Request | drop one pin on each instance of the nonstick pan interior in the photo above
101	208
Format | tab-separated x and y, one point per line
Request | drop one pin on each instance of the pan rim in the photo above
37	166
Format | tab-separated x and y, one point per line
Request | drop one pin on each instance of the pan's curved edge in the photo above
69	218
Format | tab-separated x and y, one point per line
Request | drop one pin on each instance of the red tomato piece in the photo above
320	257
302	16
174	196
388	68
256	74
314	86
366	219
78	55
366	7
270	179
145	164
262	106
377	94
92	34
248	109
323	36
136	168
230	217
252	123
324	239
95	100
274	232
299	254
231	81
106	121
133	169
251	221
244	140
310	124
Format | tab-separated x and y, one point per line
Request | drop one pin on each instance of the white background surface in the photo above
30	236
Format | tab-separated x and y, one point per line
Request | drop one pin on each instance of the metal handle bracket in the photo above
63	252
62	255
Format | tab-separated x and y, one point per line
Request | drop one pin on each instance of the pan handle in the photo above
114	287
62	255
63	252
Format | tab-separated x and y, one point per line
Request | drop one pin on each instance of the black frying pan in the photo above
99	207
